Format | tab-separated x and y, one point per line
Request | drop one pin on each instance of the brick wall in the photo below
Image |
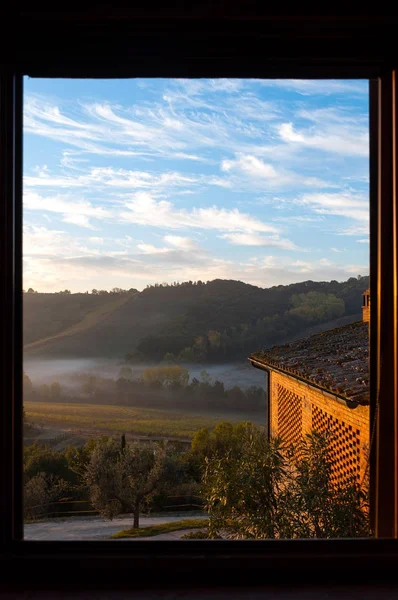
296	408
366	314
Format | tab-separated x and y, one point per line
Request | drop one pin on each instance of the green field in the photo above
118	419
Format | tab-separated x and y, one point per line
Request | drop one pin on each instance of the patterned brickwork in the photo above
318	410
345	444
366	314
290	415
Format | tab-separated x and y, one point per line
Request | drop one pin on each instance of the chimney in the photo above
366	306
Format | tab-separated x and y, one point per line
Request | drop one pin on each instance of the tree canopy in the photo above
121	478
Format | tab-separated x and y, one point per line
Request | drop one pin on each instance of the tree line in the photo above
113	292
162	386
238	340
220	320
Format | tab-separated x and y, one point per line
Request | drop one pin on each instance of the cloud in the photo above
325	262
72	211
183	243
242	141
251	165
184	123
110	177
338	116
103	271
143	209
193	117
54	260
150	249
252	239
355	230
337	250
339	140
322	87
162	130
41	241
195	87
299	219
363	241
248	172
103	179
80	220
301	266
345	204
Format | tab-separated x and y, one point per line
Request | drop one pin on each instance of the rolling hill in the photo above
229	318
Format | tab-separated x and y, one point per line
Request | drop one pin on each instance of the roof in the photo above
336	361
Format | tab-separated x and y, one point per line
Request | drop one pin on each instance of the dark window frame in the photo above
205	47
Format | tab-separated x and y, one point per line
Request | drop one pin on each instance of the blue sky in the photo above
133	182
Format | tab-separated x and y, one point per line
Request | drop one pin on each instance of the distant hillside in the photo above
52	317
45	315
216	321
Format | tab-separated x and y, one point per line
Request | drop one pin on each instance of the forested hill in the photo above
221	320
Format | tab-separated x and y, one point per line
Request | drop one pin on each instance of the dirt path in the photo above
97	528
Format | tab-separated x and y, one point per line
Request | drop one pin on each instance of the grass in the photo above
162	528
119	419
89	320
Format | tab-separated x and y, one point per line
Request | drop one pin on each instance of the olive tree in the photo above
244	490
124	478
321	503
271	490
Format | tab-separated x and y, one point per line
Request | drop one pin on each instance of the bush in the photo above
39	458
269	490
196	535
36	496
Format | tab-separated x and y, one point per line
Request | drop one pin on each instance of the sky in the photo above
142	181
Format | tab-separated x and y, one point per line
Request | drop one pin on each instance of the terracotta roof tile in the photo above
336	360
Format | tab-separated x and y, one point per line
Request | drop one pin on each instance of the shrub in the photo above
269	490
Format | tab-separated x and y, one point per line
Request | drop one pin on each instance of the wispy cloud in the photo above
252	173
344	204
151	249
185	179
355	230
143	209
78	213
252	239
322	86
80	220
183	243
110	177
251	165
302	220
329	139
